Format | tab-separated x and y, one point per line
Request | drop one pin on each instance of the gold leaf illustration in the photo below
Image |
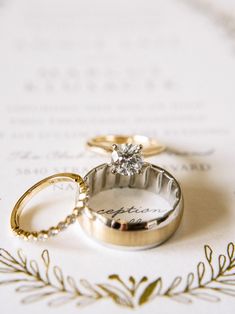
208	253
46	258
190	279
227	282
59	275
85	283
132	280
71	282
149	290
34	267
230	250
8	270
181	299
7	256
200	272
227	291
22	257
222	262
36	297
118	296
29	288
10	281
35	281
85	301
61	300
174	284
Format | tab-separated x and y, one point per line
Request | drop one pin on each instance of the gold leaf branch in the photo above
38	283
208	282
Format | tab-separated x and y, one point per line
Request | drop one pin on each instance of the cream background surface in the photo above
73	69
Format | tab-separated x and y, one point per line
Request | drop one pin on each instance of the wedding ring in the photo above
104	143
128	170
81	197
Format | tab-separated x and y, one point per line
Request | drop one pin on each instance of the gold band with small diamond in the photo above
27	196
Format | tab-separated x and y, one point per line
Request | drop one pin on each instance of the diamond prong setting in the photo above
114	147
126	159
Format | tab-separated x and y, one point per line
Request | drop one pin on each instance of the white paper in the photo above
70	70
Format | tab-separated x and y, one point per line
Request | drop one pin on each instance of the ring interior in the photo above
153	179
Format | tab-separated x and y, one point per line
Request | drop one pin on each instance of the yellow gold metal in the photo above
105	143
28	195
135	239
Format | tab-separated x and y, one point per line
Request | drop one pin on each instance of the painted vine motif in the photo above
37	282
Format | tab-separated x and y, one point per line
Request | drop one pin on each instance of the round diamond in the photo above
126	159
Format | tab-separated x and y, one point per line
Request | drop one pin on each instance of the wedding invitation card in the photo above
71	70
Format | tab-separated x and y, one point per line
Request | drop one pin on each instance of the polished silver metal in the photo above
133	235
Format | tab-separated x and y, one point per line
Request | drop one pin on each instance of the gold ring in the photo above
128	170
81	198
104	143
